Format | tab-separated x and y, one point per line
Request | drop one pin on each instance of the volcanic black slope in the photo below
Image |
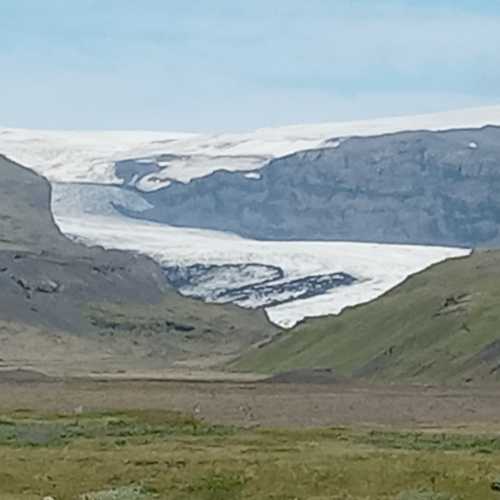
66	306
438	188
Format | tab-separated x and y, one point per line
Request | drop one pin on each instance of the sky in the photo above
224	65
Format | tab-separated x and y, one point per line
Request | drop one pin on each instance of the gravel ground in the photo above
286	405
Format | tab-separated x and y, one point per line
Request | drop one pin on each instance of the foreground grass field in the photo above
157	454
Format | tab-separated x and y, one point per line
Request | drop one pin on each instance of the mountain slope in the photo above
427	188
65	304
439	326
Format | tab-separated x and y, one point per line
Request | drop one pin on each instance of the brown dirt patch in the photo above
263	404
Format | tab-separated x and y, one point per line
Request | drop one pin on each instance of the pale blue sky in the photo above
233	65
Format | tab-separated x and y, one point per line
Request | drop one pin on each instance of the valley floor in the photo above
143	439
260	404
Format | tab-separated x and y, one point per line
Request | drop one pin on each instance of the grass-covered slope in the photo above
442	325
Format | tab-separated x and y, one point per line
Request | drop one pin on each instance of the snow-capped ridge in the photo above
85	156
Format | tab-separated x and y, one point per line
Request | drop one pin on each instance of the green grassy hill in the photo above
442	325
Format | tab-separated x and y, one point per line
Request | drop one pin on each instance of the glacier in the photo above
376	267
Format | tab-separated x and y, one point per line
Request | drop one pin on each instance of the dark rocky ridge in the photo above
44	276
438	188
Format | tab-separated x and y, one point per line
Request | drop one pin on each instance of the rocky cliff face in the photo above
438	188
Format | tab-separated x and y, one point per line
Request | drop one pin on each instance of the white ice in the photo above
253	175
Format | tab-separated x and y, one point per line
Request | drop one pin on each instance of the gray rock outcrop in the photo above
437	188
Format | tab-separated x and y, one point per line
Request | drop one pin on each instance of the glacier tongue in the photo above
376	267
